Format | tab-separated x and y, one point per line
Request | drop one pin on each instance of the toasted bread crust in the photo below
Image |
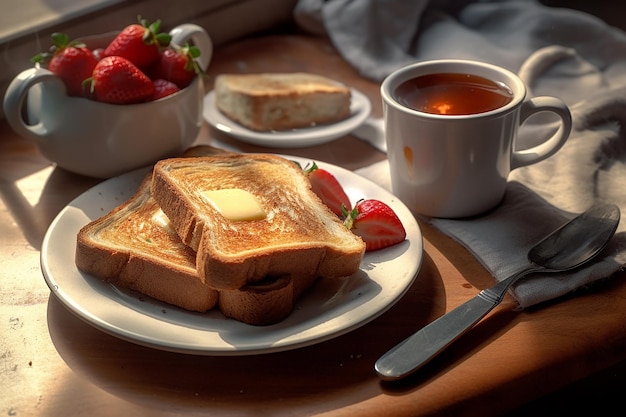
278	304
281	101
300	235
267	302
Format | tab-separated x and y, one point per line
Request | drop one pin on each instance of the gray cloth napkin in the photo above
559	52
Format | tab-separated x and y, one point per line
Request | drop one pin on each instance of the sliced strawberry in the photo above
328	189
140	43
376	223
177	65
163	88
116	80
72	62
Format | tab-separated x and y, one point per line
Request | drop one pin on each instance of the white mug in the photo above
101	139
457	165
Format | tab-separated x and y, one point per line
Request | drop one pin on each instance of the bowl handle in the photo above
15	98
181	34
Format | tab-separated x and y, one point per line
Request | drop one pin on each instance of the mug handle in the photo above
15	96
552	144
181	34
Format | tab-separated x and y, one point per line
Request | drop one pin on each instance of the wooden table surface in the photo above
54	364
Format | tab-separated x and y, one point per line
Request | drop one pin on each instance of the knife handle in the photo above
415	351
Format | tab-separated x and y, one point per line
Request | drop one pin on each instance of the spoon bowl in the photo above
577	241
570	246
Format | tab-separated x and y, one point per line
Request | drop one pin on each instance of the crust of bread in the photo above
281	101
266	302
299	236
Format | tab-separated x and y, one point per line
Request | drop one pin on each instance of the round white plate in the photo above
331	308
360	109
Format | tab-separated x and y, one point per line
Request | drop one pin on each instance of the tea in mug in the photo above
453	94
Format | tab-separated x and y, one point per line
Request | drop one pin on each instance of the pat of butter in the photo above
160	219
236	204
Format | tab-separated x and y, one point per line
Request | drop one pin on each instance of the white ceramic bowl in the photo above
100	139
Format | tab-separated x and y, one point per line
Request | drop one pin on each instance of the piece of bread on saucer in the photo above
281	101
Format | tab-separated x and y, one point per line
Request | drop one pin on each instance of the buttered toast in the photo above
135	247
284	229
281	101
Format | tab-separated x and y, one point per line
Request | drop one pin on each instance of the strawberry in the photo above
117	80
177	65
328	189
140	43
72	62
376	223
163	88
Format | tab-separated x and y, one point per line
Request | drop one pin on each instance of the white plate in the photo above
330	309
360	109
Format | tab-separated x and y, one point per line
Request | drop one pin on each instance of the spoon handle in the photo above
415	351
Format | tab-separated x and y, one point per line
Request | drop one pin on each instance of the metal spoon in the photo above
570	246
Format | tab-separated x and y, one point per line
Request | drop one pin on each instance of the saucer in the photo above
360	109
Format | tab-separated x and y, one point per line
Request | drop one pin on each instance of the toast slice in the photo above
135	247
281	101
297	233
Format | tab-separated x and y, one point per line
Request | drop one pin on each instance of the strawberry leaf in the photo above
60	40
349	216
153	35
41	58
194	51
155	27
308	168
163	39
